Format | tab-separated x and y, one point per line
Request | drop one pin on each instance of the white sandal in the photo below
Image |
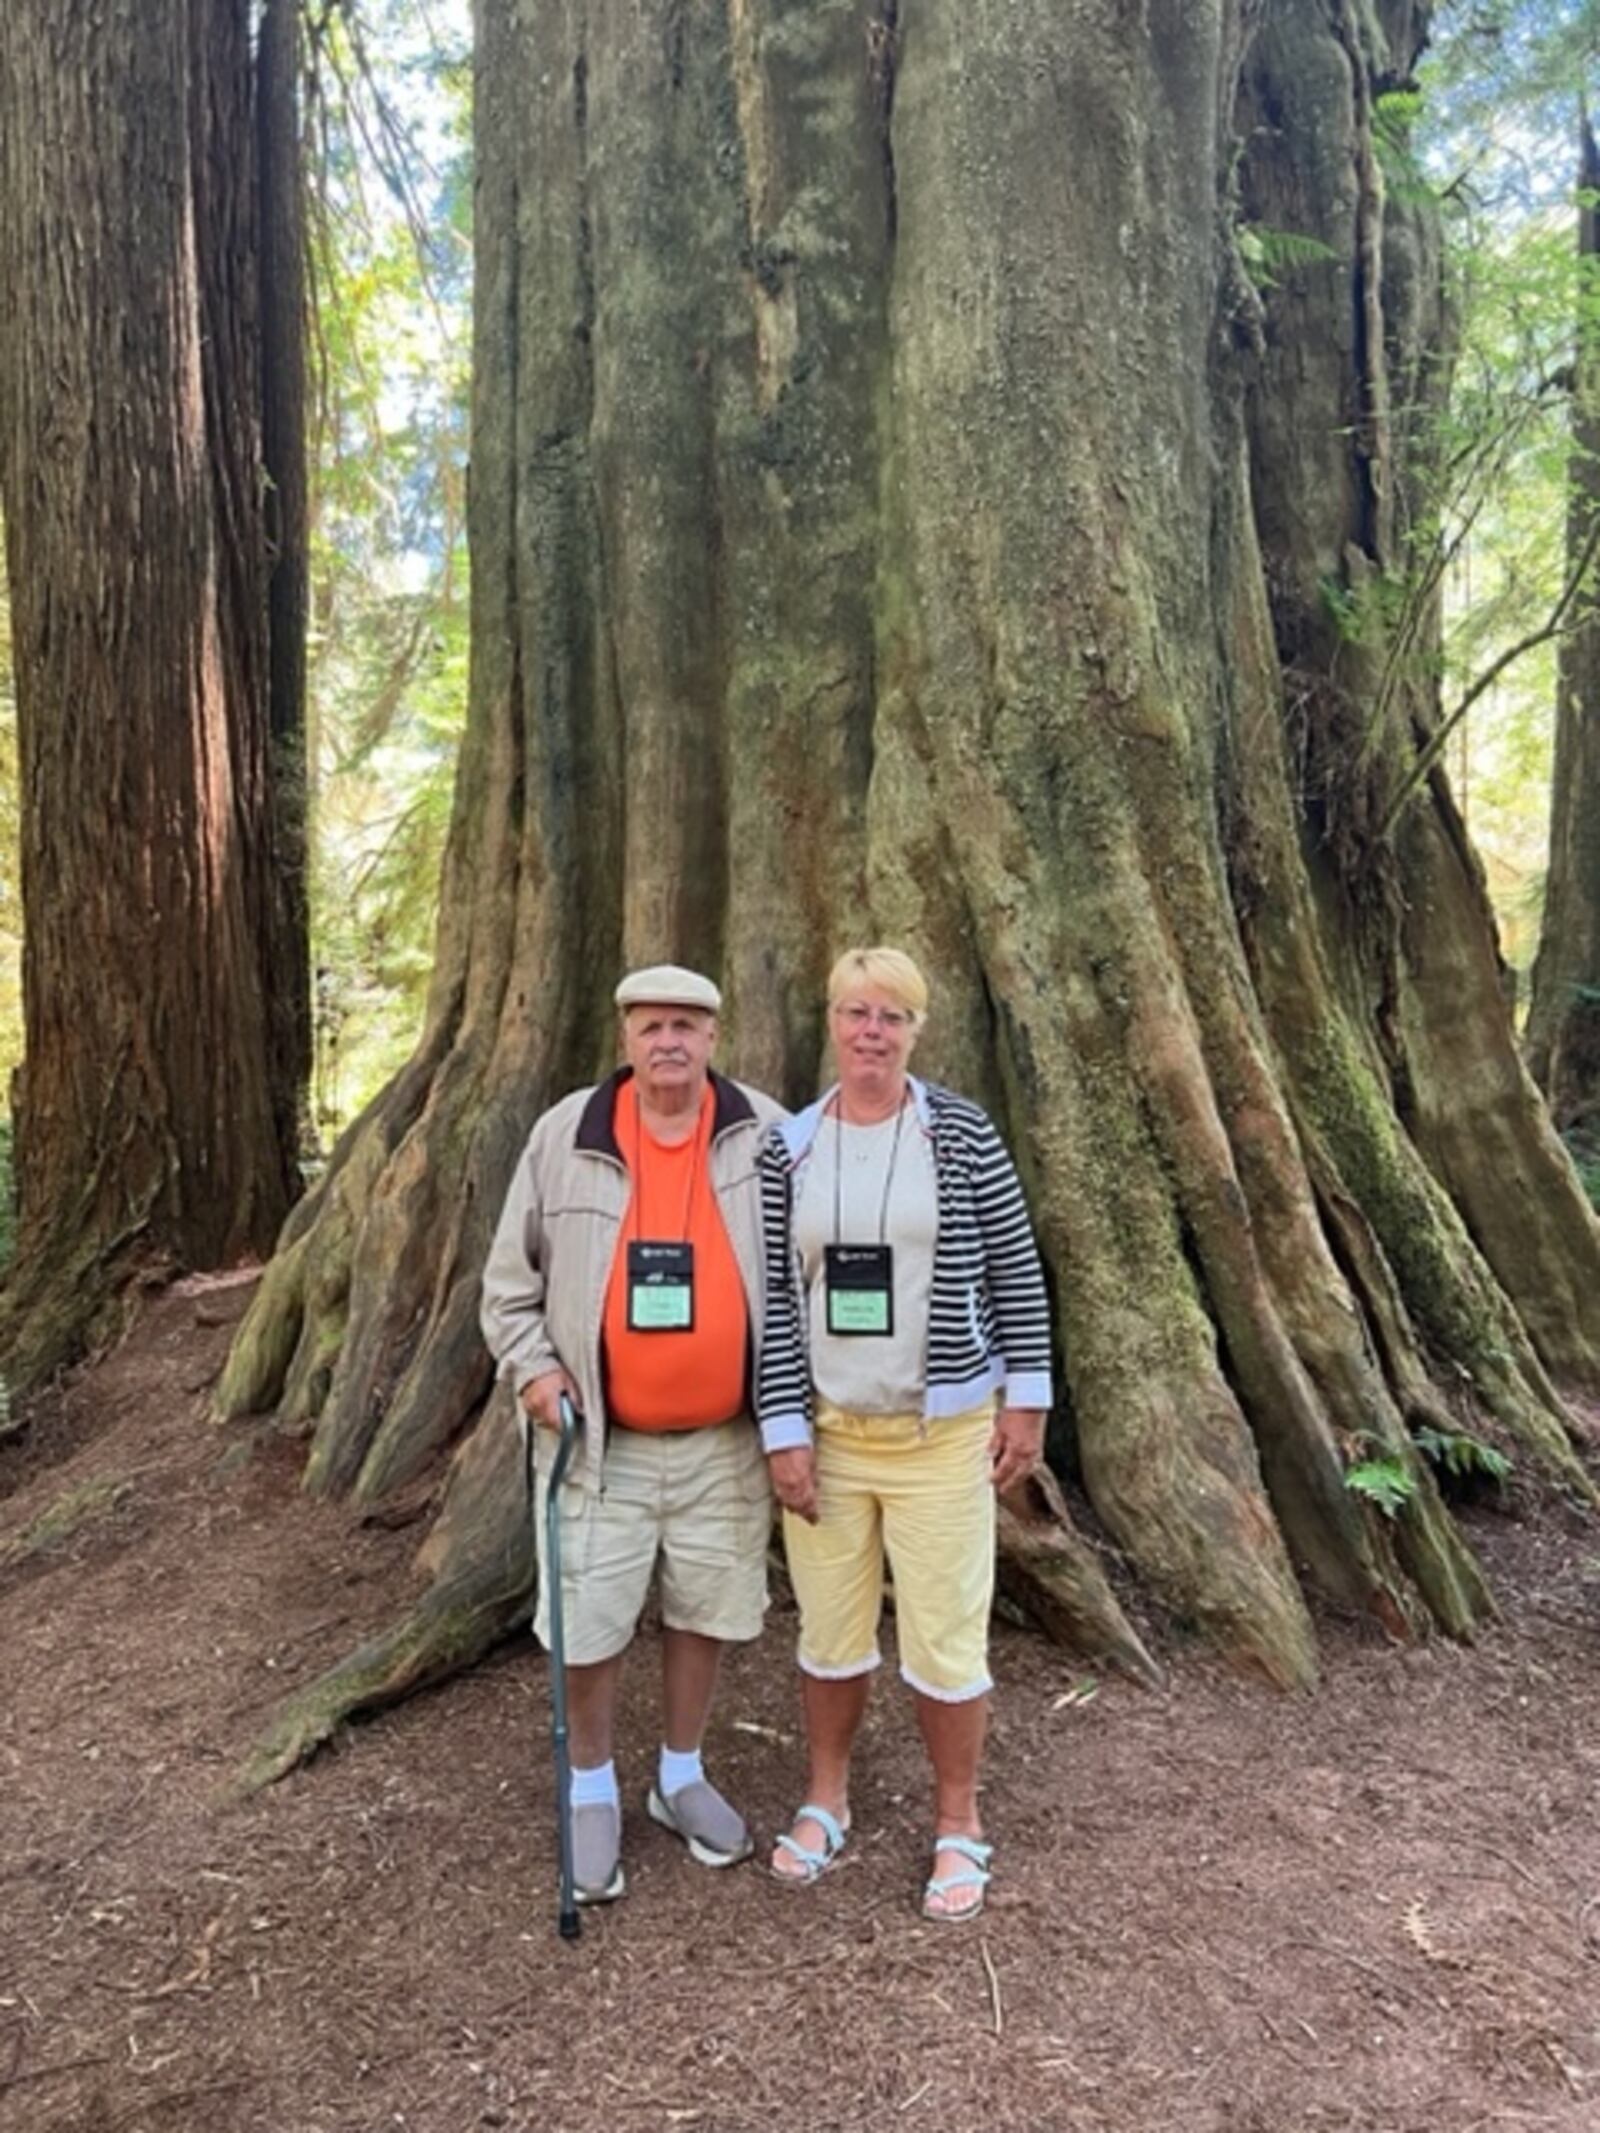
813	1865
975	1875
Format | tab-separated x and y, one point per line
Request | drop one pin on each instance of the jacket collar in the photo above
596	1135
799	1132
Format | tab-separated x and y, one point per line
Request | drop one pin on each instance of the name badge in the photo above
660	1288
859	1288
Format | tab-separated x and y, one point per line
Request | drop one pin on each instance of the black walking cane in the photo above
569	1921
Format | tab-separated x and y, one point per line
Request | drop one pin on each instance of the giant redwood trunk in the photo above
155	1108
1564	1011
895	515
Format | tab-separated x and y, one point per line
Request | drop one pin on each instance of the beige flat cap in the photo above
668	985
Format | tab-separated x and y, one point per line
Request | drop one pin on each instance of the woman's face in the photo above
873	1036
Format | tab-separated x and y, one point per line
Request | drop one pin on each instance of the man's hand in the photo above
794	1481
541	1398
1017	1445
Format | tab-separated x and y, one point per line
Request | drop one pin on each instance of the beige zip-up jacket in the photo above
544	1284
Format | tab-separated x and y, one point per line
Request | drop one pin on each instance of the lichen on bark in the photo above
895	514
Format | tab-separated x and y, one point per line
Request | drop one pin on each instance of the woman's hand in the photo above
1017	1445
794	1481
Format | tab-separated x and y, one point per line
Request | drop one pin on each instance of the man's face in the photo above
669	1048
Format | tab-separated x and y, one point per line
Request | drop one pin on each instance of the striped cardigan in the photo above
988	1317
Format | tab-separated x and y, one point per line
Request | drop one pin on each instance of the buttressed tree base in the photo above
897	514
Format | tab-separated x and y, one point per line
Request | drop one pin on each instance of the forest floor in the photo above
1218	1910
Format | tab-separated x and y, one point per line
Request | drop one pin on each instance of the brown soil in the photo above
1218	1911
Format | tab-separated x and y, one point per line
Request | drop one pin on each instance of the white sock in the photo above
596	1788
679	1767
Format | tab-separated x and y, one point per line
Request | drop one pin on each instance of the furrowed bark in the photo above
1471	1200
154	1115
1049	682
1048	1571
919	529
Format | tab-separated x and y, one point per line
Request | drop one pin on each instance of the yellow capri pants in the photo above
920	1492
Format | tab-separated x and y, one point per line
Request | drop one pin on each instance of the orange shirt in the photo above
675	1380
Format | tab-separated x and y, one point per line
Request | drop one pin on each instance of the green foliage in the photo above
1501	85
378	858
1269	254
388	654
1367	613
1458	1453
1384	1482
1494	126
1395	116
1343	610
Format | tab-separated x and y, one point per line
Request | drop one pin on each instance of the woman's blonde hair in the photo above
888	970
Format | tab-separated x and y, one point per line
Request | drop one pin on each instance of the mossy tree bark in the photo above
1564	1008
896	514
156	1106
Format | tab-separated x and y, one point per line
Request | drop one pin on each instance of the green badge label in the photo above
661	1308
660	1288
858	1311
860	1286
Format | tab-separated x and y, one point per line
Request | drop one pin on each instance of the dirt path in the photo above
1219	1911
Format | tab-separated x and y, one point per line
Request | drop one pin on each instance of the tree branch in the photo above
1555	624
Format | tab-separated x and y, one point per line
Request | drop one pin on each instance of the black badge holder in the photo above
859	1289
660	1288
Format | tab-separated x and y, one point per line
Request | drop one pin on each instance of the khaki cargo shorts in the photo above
698	1502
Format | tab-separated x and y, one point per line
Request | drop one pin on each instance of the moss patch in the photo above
58	1522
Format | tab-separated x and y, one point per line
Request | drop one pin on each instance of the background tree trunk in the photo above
281	219
896	515
1564	1008
154	1112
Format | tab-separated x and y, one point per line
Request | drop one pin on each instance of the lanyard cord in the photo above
838	1170
700	1132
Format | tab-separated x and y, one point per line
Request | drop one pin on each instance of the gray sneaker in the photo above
714	1832
597	1853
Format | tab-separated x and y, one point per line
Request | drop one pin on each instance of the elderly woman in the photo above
905	1377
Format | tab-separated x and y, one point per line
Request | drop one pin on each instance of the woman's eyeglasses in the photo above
854	1014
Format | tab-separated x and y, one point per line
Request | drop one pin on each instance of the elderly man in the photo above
626	1273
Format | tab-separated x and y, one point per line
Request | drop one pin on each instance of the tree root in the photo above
481	1561
448	1631
1036	731
479	1558
1048	1570
59	1521
289	1346
68	1292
